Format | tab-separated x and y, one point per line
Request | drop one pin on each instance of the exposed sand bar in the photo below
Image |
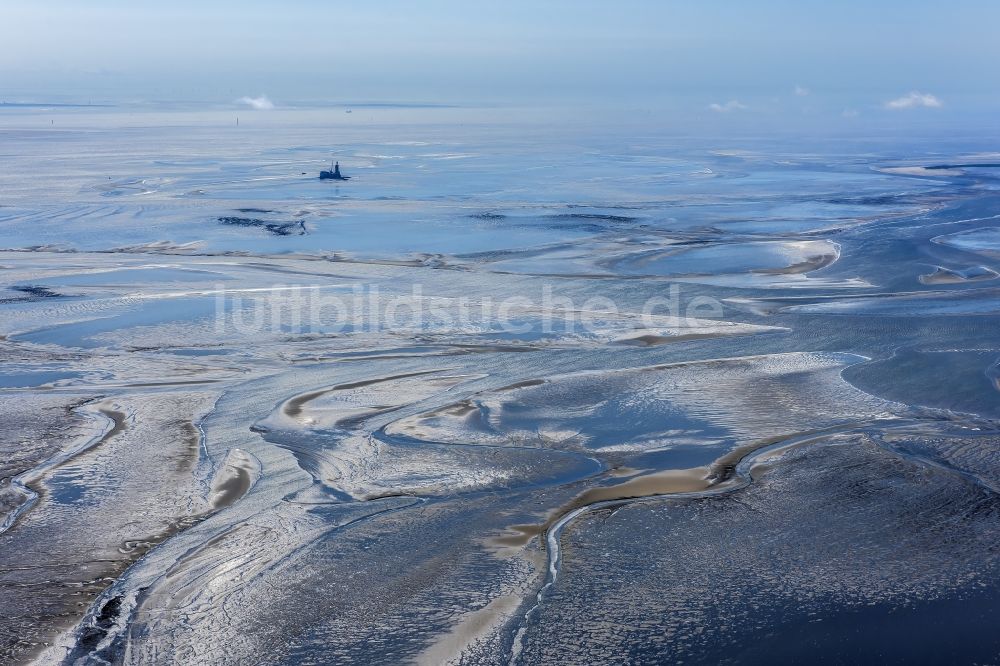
293	407
235	477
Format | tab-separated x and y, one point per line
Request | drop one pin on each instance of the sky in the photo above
914	56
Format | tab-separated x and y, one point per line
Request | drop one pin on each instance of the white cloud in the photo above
801	92
914	100
849	113
731	105
261	103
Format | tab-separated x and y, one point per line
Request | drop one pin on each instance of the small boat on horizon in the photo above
333	173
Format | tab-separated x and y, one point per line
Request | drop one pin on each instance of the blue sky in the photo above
738	56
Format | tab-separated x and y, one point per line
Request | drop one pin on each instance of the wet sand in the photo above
30	483
950	276
293	408
234	480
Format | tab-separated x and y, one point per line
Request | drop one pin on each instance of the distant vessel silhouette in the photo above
333	174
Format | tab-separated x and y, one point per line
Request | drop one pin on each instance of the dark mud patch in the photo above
601	217
93	635
296	228
32	292
983	165
873	200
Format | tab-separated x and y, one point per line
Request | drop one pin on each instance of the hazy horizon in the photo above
777	57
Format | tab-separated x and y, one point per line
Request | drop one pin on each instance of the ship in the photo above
333	173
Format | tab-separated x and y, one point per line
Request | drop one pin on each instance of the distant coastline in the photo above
51	105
